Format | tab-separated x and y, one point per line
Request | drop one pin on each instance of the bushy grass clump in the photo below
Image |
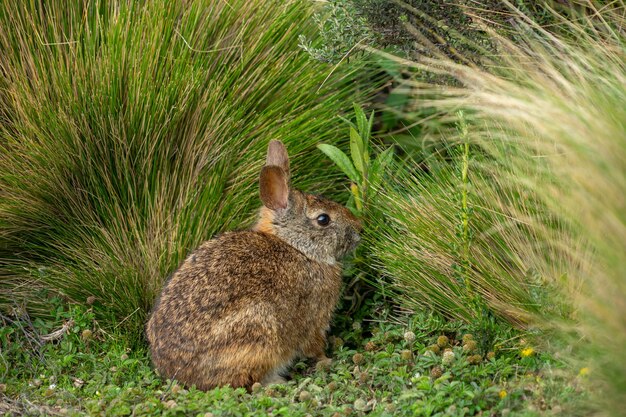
461	240
131	131
551	112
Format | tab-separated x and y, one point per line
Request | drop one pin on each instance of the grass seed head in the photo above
406	355
304	396
435	349
448	357
470	346
475	359
443	341
357	358
436	372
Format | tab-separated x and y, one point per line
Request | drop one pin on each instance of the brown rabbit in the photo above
245	304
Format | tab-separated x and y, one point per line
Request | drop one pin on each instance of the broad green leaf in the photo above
381	162
361	119
356	150
341	160
356	193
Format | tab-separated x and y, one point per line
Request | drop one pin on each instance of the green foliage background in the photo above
131	131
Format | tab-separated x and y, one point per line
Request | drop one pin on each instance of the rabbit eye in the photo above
323	219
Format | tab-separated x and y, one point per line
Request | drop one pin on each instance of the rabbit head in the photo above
319	228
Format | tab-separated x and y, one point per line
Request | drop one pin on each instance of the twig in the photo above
126	318
59	333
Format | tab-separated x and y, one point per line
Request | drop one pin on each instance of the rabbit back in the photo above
239	308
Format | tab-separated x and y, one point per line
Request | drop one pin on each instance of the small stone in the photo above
360	405
436	372
124	357
78	383
409	337
332	386
491	355
470	346
435	349
91	299
304	396
170	404
357	358
443	341
448	357
370	346
475	359
406	355
86	334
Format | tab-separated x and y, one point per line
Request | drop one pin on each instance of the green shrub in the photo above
448	27
131	131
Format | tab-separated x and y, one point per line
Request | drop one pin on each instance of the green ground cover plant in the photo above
412	366
131	131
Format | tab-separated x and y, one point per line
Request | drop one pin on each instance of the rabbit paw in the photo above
273	378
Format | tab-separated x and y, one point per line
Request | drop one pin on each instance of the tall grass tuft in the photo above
459	239
131	131
551	112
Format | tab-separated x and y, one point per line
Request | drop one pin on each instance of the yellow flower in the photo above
527	352
583	371
503	394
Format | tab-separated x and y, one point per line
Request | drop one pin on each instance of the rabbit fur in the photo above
245	304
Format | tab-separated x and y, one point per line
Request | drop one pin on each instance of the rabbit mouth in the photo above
351	240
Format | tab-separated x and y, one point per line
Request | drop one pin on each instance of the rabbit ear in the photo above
274	187
277	155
